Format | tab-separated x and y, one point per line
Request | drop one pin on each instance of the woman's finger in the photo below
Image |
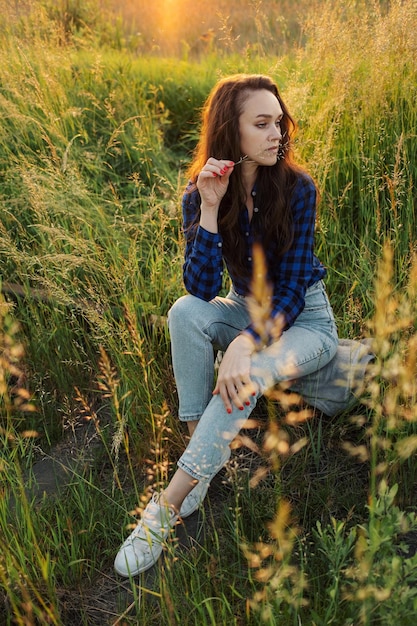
221	390
234	392
213	167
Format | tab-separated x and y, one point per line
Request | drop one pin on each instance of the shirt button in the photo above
221	273
219	244
255	209
253	193
247	234
249	258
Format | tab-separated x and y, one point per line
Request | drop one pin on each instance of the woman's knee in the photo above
183	311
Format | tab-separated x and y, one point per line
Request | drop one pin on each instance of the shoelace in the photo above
153	524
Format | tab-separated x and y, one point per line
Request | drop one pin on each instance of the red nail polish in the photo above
229	411
214	174
241	408
247	403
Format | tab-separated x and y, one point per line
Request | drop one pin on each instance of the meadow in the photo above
314	522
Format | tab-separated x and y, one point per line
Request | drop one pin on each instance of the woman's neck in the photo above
249	173
249	178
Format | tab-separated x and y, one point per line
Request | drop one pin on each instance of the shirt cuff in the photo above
255	336
270	334
208	242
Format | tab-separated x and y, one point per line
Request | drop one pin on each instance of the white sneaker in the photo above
196	496
144	545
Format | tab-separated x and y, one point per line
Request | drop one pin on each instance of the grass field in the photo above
97	128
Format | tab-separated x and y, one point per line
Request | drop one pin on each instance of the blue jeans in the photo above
198	328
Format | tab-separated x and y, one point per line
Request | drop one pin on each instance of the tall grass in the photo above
358	120
315	523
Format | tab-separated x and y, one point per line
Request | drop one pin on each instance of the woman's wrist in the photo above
246	341
208	219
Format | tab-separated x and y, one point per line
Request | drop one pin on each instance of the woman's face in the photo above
259	127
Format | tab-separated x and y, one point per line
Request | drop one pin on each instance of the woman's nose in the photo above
276	132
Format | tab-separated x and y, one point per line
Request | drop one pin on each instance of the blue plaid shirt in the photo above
290	275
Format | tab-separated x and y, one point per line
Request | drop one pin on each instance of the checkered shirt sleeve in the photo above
299	268
203	265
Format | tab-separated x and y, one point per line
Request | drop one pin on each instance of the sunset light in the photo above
183	27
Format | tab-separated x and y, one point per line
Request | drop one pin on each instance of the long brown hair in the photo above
220	139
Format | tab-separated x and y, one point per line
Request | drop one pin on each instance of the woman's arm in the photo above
203	263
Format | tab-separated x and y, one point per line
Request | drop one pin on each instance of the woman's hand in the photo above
233	381
212	184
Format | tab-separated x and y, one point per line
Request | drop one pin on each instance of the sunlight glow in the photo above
171	17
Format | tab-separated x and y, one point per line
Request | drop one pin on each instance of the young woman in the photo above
245	188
